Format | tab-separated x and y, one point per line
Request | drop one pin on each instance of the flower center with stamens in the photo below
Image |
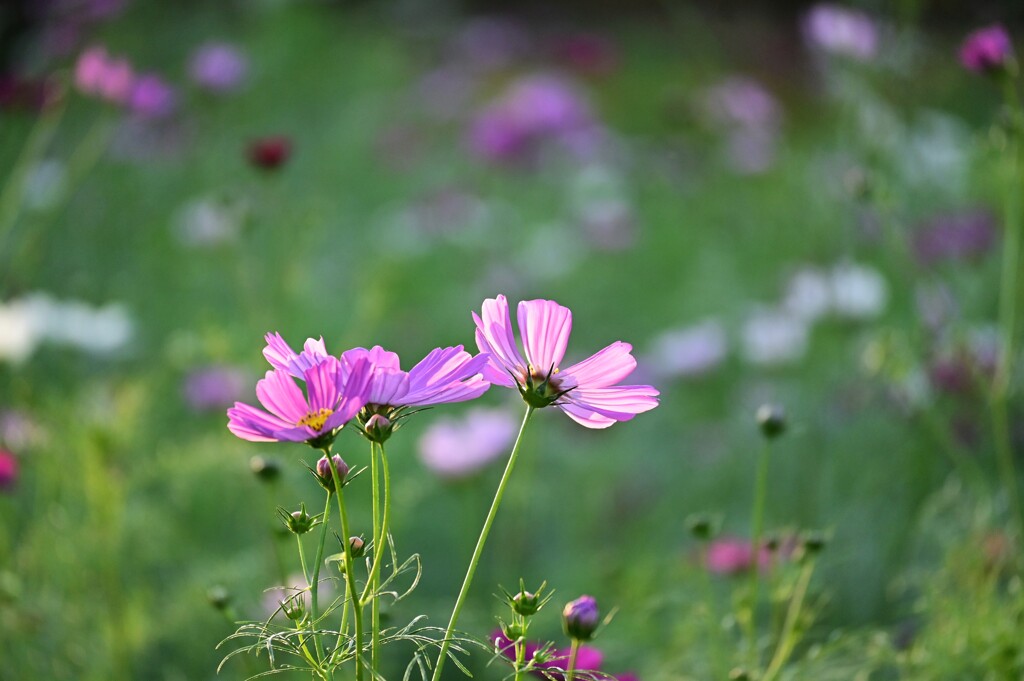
315	419
542	388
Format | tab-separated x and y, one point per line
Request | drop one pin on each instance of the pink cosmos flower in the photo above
99	75
986	50
732	555
8	469
332	398
586	391
445	375
457	448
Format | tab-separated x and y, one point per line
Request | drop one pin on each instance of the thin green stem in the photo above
379	550
520	646
757	521
788	638
314	588
478	551
574	652
712	613
350	579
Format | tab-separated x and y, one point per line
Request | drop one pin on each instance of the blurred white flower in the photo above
809	294
858	292
18	333
28	321
774	336
209	222
691	350
45	184
458	447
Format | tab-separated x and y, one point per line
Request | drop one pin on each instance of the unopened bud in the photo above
702	526
771	418
267	470
218	597
294	608
323	471
297	522
378	428
513	631
813	543
357	546
526	603
581	617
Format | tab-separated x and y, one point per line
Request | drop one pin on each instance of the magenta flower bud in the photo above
378	428
357	546
581	617
987	50
323	471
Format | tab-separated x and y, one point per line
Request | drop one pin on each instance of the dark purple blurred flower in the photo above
739	101
581	617
959	235
215	388
841	31
732	555
952	374
152	97
987	50
269	153
25	93
588	53
218	67
588	659
534	110
490	43
8	470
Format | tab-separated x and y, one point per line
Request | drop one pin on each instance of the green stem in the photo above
350	580
760	492
788	639
522	624
478	551
379	550
314	588
574	652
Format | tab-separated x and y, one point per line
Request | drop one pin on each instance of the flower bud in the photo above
771	418
266	470
987	50
297	522
581	617
269	153
526	603
702	526
378	428
218	597
357	546
323	471
739	674
512	631
812	543
294	608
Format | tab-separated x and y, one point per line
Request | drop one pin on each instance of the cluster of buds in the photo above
524	604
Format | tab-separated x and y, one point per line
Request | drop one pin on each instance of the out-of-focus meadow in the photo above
804	208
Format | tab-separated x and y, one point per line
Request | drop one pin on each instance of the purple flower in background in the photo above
960	235
555	661
218	67
152	97
586	391
8	470
987	50
739	101
99	75
731	556
588	53
841	31
332	399
490	43
459	447
214	387
690	351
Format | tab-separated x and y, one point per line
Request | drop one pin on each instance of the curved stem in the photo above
314	587
478	551
574	652
757	521
787	640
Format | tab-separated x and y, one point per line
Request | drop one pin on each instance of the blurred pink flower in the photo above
218	67
8	470
841	31
458	447
213	388
99	75
987	50
732	555
152	97
588	659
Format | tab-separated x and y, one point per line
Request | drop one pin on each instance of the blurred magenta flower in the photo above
218	67
331	401
586	391
152	97
99	75
959	235
269	153
8	470
458	447
987	50
588	659
214	387
732	555
841	31
580	618
533	111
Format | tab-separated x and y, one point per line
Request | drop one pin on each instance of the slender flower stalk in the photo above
357	613
478	551
789	638
757	526
574	652
314	589
379	542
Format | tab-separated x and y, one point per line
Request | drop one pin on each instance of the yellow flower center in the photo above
315	419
